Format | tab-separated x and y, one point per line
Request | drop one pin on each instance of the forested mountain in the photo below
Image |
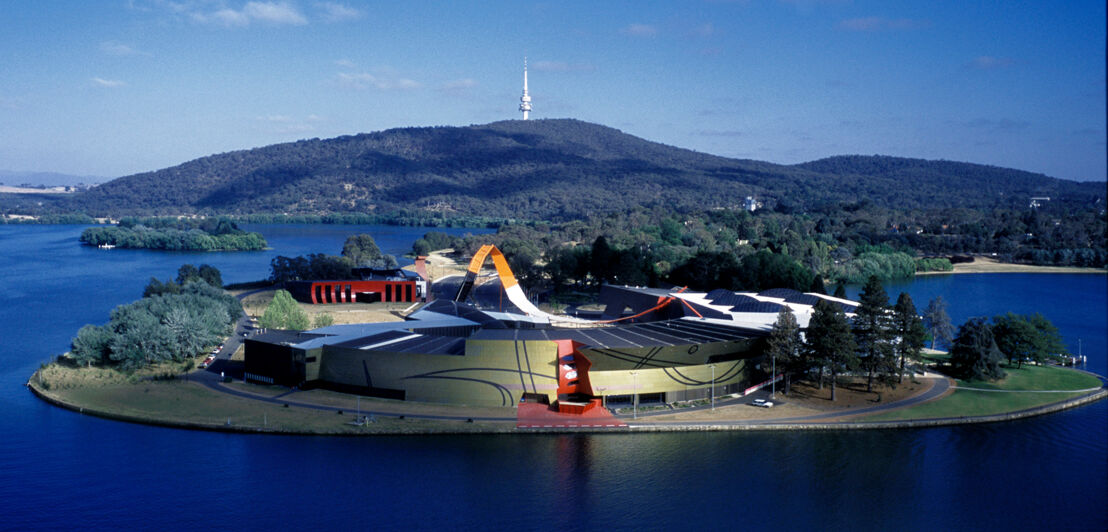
547	169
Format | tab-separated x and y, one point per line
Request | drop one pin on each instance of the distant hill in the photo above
545	169
13	178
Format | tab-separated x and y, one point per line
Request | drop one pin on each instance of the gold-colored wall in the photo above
498	372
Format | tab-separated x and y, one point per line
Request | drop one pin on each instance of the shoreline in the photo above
409	423
989	265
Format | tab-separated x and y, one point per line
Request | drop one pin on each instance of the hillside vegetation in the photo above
546	169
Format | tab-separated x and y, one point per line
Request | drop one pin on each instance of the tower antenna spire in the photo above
525	100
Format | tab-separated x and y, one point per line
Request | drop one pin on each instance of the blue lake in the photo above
62	470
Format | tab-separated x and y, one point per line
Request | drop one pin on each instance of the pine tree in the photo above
829	340
908	327
783	345
872	328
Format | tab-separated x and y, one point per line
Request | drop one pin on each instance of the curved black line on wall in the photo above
504	401
441	371
641	360
519	367
694	382
527	358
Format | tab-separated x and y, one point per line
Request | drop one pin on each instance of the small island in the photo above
174	234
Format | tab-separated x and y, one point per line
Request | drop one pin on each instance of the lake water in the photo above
62	470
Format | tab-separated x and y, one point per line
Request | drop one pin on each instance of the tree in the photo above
783	345
908	328
1016	338
323	320
765	269
92	345
872	328
938	322
600	259
421	247
1023	338
361	249
156	287
818	286
211	275
284	313
829	341
840	291
1051	339
974	354
186	273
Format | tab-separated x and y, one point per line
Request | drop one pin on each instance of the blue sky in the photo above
112	88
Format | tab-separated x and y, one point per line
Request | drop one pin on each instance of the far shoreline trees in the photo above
173	234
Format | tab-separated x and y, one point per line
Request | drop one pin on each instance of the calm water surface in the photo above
61	470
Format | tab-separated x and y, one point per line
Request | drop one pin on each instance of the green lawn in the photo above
180	401
982	403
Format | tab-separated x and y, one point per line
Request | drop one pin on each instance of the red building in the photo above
354	291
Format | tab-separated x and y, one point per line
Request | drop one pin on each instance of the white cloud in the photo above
640	30
362	81
562	66
119	49
273	13
346	63
334	12
110	83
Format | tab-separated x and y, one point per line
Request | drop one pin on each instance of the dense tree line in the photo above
186	274
700	248
359	251
878	341
164	326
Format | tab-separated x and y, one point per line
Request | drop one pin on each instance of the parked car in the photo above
764	403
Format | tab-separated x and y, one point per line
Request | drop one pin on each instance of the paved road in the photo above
939	386
223	364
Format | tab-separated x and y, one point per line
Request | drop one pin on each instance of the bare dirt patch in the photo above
440	264
851	393
343	313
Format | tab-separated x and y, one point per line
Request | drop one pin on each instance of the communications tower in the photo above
525	100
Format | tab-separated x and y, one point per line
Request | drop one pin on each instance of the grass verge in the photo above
190	404
1028	387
